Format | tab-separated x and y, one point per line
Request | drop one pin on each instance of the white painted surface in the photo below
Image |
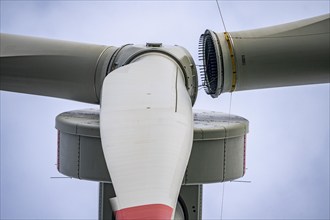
147	133
295	53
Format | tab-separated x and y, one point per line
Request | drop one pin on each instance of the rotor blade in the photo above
146	126
54	68
296	53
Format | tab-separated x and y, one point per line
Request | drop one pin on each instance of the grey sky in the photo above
288	143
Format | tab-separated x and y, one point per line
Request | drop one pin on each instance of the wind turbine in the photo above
209	80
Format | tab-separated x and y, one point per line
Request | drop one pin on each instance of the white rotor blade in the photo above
146	128
295	53
53	68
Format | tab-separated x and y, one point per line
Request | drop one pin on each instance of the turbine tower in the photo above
150	152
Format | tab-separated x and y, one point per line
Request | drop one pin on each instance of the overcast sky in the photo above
288	143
